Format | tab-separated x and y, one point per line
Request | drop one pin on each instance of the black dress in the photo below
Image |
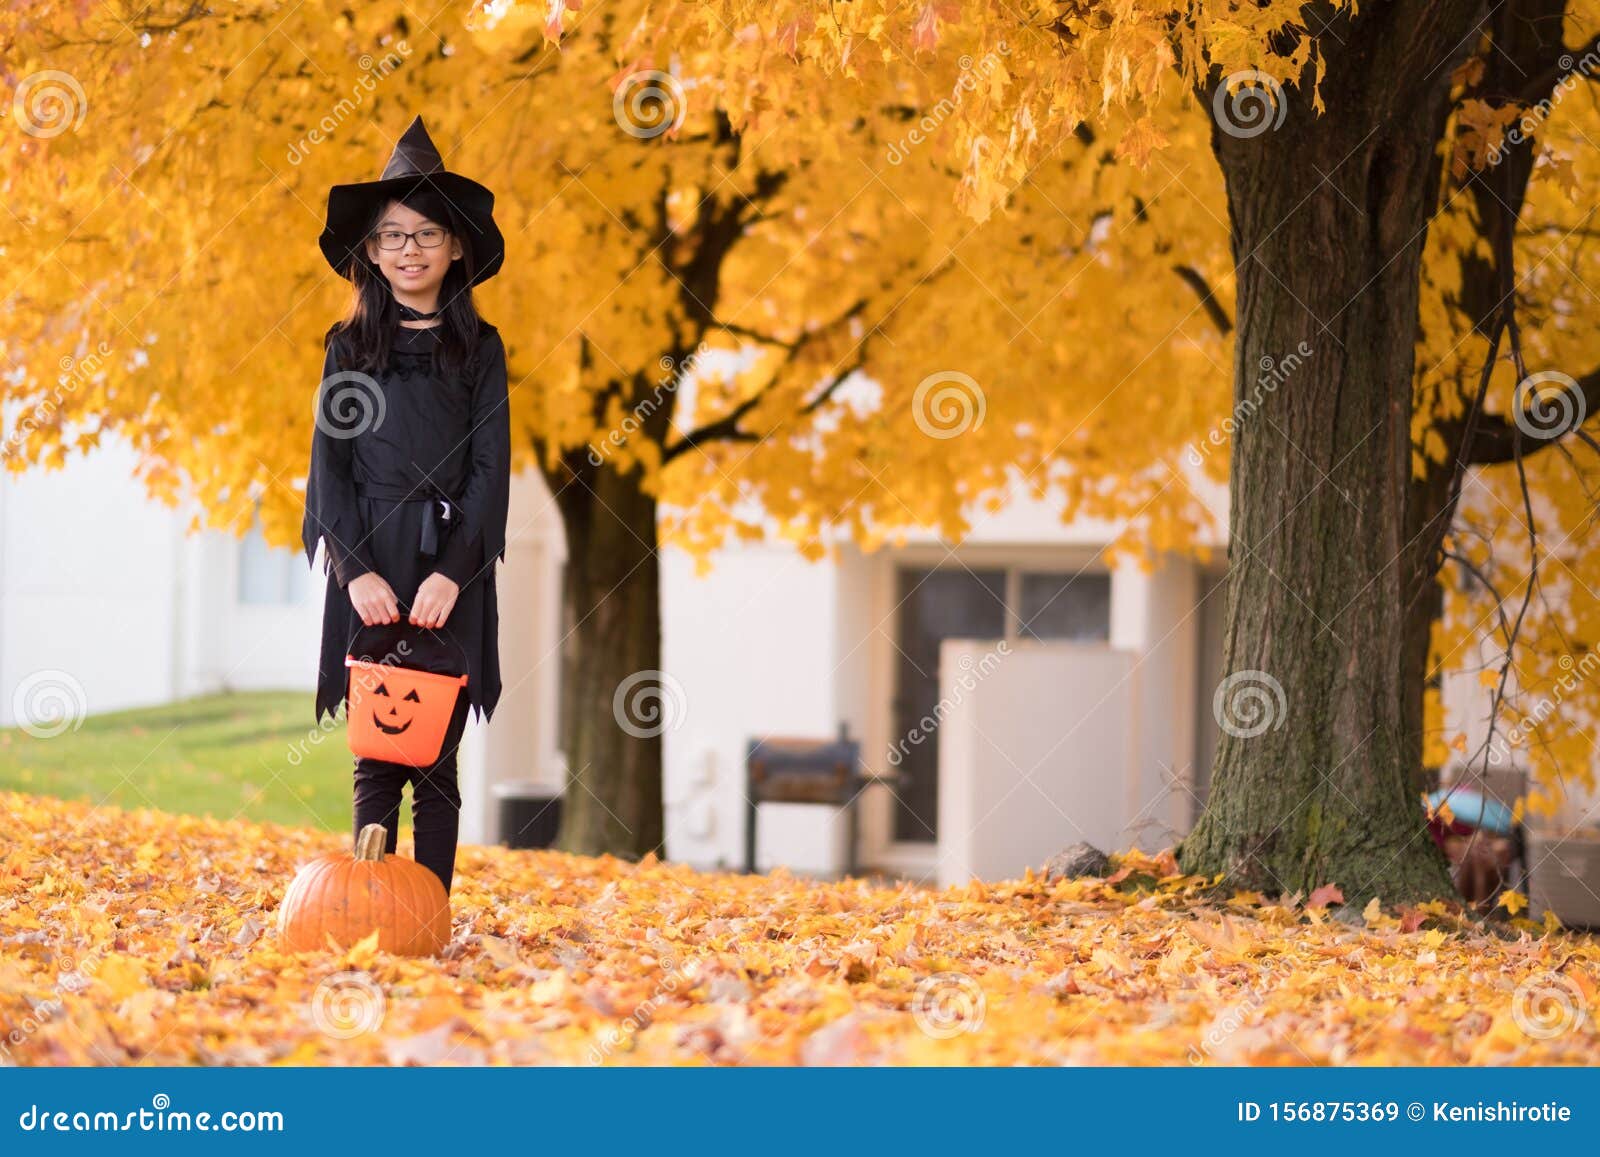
411	474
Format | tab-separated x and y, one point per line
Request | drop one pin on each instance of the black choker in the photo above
409	314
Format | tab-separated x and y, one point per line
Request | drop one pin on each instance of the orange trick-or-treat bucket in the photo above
399	714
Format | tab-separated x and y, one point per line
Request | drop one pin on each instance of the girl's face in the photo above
415	269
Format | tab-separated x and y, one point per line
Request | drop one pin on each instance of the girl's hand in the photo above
373	599
436	597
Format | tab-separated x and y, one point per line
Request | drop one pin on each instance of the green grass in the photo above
249	755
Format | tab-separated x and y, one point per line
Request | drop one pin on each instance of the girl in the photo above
410	464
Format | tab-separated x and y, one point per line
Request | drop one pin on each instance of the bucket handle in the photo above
465	664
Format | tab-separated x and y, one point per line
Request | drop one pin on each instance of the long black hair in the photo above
365	333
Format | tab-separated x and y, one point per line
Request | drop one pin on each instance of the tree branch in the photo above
1495	441
828	391
1193	279
726	428
761	338
1542	84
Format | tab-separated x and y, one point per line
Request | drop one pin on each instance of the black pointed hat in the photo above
415	162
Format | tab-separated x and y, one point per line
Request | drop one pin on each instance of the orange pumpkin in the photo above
347	897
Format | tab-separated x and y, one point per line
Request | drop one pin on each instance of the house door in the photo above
934	605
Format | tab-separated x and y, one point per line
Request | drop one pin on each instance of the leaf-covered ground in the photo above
130	937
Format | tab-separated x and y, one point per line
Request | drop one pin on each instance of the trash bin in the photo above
1566	875
529	814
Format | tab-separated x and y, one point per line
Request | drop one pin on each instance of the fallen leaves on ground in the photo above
142	937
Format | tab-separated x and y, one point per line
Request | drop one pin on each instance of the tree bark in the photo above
1430	511
614	701
1329	215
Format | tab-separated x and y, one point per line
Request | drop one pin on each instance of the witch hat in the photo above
414	162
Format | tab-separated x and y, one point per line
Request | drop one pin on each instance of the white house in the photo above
1029	694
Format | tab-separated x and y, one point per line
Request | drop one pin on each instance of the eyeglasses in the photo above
429	238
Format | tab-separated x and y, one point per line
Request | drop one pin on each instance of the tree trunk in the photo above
1430	512
615	700
1314	776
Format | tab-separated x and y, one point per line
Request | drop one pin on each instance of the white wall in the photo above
88	585
108	587
768	643
1038	754
229	645
519	745
753	647
1156	616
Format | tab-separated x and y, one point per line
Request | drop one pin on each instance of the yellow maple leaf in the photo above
363	952
1512	901
121	976
1224	938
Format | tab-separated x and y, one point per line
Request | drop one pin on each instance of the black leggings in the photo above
435	799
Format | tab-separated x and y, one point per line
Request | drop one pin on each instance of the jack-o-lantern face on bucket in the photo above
393	725
400	714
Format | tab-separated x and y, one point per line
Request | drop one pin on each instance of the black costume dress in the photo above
411	474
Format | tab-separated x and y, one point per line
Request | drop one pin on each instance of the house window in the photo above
1064	605
270	576
935	604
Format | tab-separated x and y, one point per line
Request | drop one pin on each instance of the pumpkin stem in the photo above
369	844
